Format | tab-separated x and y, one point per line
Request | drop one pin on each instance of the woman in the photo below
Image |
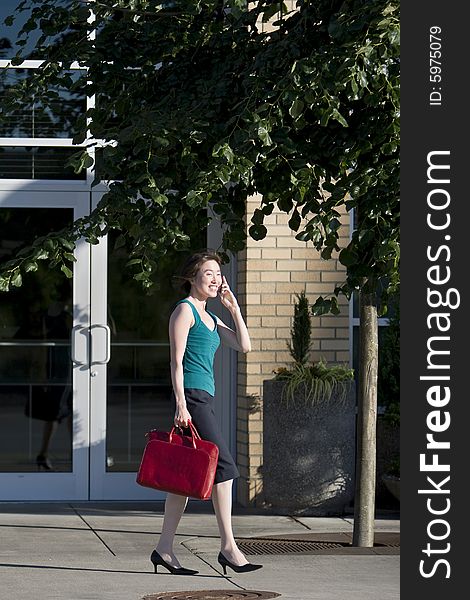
195	334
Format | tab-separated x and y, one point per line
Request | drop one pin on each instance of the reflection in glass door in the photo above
35	373
42	427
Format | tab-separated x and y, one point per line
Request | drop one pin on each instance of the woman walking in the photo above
195	334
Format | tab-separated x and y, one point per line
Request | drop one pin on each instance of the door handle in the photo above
78	329
108	344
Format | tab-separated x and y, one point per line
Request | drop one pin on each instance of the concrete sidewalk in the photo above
100	551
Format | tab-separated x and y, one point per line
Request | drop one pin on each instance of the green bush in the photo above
316	382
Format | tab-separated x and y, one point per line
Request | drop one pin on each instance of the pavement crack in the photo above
92	530
299	522
226	577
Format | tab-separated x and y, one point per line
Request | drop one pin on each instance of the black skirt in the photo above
200	407
49	402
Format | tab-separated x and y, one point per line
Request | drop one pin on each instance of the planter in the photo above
392	484
309	453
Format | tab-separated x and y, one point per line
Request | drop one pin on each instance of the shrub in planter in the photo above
309	431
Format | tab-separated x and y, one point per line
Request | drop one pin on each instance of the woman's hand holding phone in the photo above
226	296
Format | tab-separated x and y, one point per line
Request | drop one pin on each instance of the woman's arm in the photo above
240	338
180	323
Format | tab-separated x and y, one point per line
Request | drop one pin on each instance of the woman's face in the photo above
208	279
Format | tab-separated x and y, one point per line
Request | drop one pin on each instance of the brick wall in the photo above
270	273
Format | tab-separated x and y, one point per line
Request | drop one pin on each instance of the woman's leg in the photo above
42	460
174	509
50	427
222	501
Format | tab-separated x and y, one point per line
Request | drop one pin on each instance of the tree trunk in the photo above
364	501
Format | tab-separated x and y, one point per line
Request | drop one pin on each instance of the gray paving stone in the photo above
48	552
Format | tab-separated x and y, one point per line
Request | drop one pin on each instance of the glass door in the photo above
44	433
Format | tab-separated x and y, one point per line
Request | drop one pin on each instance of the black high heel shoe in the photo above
158	560
224	562
43	463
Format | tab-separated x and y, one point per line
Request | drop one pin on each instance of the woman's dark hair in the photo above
192	265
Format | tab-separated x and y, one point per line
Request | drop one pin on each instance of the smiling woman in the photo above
195	335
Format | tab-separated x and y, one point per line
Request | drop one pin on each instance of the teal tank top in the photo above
198	359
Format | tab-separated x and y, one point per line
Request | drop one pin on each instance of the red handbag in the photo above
180	464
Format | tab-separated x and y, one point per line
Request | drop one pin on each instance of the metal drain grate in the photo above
264	546
214	595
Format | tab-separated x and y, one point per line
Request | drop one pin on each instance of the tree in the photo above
197	108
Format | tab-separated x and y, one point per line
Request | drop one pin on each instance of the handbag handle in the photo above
194	433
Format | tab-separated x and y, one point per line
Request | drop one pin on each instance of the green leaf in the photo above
30	25
16	61
135	230
16	279
310	97
295	220
347	258
334	224
79	138
133	261
142	276
4	284
268	209
159	199
258	217
362	78
329	186
325	117
285	204
303	236
296	108
389	9
120	242
339	117
31	266
223	150
258	232
321	306
269	12
334	306
193	199
87	161
41	255
366	236
67	244
264	136
67	272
